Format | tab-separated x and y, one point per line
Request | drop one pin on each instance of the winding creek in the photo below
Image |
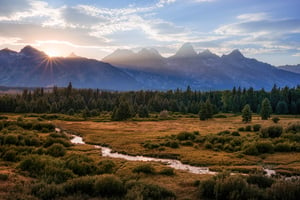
176	164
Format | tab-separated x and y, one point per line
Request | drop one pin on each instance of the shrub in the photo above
56	174
187	143
275	119
106	166
235	133
271	131
11	139
283	147
81	164
224	132
3	117
284	189
206	188
232	187
10	155
241	129
265	147
208	145
83	185
167	172
144	168
47	191
293	128
34	164
56	150
185	136
109	186
256	127
248	128
251	150
4	177
260	180
139	190
164	114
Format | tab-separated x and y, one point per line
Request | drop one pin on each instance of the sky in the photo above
268	30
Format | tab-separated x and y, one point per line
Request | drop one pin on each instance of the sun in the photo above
52	53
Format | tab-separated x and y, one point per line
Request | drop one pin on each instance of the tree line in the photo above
91	102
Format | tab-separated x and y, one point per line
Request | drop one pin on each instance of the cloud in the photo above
8	7
253	16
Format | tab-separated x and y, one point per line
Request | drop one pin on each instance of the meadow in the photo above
39	163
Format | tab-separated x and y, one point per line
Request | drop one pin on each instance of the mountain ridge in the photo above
145	69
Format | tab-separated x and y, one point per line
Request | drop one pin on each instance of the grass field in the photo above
128	137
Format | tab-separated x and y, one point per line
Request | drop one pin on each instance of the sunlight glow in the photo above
52	53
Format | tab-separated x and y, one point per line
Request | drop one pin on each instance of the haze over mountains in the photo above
146	69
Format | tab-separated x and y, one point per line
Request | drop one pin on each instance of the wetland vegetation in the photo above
39	162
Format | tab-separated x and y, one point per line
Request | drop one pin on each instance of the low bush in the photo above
293	128
220	116
282	147
139	190
224	132
271	131
167	172
260	180
4	177
80	164
144	168
106	166
235	133
275	119
10	155
241	129
109	186
265	147
256	127
56	150
248	128
186	136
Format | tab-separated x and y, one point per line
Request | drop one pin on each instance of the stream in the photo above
176	164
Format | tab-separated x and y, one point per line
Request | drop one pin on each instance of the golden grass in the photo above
127	137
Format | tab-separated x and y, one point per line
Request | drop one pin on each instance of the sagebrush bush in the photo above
186	136
109	186
81	164
256	127
140	190
260	180
271	131
56	150
167	172
144	168
293	128
106	167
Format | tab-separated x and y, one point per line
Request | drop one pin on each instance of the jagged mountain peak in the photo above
31	51
236	54
207	53
186	50
73	55
149	52
7	51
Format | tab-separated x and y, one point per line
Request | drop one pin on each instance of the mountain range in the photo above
146	69
291	68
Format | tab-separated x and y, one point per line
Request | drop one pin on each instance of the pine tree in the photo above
266	109
206	110
247	113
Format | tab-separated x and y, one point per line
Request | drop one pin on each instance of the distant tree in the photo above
206	110
266	109
282	107
247	113
122	112
143	111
